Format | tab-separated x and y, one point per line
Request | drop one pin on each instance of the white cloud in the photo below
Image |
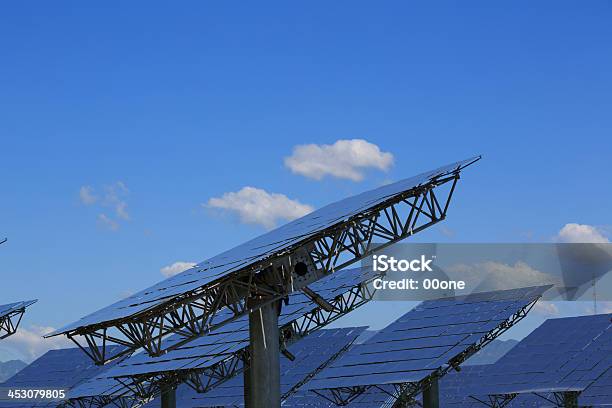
87	196
28	344
115	197
176	268
344	159
578	233
108	222
547	309
257	206
112	202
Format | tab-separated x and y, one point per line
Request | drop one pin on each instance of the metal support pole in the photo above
264	376
431	398
168	398
570	399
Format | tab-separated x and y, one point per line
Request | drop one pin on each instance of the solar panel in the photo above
56	369
562	355
223	347
425	343
10	316
311	353
316	239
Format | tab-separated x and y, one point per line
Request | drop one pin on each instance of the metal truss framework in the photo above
151	385
195	313
10	322
405	393
562	399
100	401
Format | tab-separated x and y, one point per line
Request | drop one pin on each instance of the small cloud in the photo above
257	206
547	309
121	210
112	202
87	196
176	268
579	233
115	197
28	344
346	159
107	222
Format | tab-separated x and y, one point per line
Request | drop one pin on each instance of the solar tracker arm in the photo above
316	298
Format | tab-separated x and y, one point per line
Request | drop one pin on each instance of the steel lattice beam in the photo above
10	322
100	401
559	399
406	392
192	314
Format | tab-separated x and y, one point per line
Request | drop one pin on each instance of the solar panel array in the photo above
221	343
258	249
424	340
12	307
310	354
56	369
566	354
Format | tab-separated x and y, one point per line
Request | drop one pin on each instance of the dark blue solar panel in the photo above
310	353
56	369
566	354
11	307
259	248
424	339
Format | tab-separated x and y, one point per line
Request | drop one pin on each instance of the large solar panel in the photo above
311	353
56	369
273	243
565	354
224	343
427	341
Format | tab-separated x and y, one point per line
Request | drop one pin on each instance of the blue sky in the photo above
187	102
